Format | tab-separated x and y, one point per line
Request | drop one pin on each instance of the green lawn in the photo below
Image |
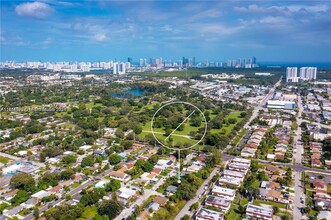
75	185
89	212
244	201
4	160
232	213
188	128
279	205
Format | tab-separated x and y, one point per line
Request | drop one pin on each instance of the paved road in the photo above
147	193
298	190
316	123
20	159
201	191
261	105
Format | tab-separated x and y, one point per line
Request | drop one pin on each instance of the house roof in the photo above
274	185
160	200
272	168
318	184
157	171
12	193
56	188
117	174
144	215
274	194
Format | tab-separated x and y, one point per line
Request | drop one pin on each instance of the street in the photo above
147	193
298	190
186	209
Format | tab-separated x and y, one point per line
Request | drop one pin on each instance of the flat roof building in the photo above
206	214
259	212
219	202
224	192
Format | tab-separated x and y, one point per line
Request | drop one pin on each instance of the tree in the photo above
23	181
214	158
243	114
137	129
186	217
148	167
119	133
241	209
21	196
69	159
67	174
36	213
113	185
111	208
87	161
232	120
275	209
114	159
194	206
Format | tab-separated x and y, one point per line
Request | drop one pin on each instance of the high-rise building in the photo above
130	60
291	74
308	73
119	68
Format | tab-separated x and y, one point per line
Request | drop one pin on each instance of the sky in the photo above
92	30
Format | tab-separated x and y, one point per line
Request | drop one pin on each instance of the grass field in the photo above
4	160
279	205
89	212
159	132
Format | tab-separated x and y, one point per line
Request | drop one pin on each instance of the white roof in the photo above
85	147
126	192
234	173
223	191
41	194
259	210
163	162
241	160
209	214
229	180
68	152
324	214
271	156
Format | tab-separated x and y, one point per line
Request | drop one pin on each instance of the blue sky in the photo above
92	30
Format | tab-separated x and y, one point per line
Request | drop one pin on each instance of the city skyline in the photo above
52	30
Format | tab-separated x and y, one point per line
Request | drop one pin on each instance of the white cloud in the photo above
34	10
311	8
282	9
99	37
218	29
274	20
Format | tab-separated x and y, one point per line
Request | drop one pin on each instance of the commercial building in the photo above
280	104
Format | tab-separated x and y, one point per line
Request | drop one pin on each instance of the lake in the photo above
128	93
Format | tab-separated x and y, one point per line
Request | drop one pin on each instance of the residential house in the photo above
224	192
219	202
162	201
259	212
120	176
207	214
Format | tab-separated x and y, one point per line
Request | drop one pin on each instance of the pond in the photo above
128	93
